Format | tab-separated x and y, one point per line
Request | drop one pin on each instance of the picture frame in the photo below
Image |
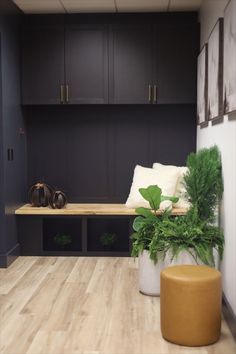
202	83
215	109
229	85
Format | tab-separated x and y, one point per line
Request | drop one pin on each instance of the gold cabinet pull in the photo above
67	93
62	94
149	93
155	94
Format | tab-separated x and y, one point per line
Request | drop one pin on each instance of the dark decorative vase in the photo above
40	194
58	200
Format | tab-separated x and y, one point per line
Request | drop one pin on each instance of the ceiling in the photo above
76	6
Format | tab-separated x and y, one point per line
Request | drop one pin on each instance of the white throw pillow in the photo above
180	188
144	177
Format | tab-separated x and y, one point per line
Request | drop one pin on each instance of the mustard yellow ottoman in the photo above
190	305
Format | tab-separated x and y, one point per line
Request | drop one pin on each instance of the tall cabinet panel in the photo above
12	139
90	180
175	67
86	64
130	64
43	65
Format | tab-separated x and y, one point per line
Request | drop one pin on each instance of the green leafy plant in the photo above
108	239
62	240
203	181
149	237
193	232
153	194
147	225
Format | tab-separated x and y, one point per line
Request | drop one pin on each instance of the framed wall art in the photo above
230	57
215	109
202	117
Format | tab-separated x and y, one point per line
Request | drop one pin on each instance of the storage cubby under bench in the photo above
77	230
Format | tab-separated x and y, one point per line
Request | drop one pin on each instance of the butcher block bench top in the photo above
86	209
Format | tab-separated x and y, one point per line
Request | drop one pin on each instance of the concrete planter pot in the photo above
149	275
186	258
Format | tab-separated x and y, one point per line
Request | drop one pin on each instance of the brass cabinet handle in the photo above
155	94
62	94
149	93
67	93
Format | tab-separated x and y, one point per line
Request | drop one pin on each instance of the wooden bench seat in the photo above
85	222
86	209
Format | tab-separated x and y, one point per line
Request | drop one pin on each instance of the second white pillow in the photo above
144	177
180	188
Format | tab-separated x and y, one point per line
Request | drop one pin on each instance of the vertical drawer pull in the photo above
149	93
155	94
62	94
67	93
9	154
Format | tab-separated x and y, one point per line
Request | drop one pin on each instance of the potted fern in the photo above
190	239
147	244
196	237
204	182
204	186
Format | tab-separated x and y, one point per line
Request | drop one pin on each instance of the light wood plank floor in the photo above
70	305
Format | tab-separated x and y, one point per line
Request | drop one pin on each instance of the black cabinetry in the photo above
74	235
175	56
115	63
86	59
153	64
131	60
108	234
62	235
12	141
43	65
64	66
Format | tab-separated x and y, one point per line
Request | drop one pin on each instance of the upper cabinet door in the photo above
176	63
130	64
42	65
86	64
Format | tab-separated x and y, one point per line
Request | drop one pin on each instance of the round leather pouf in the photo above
191	298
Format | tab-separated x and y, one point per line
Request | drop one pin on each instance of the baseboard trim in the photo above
9	257
229	316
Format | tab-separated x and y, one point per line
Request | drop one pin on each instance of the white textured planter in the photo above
217	259
149	275
185	257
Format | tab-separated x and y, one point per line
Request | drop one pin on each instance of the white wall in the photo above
224	135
